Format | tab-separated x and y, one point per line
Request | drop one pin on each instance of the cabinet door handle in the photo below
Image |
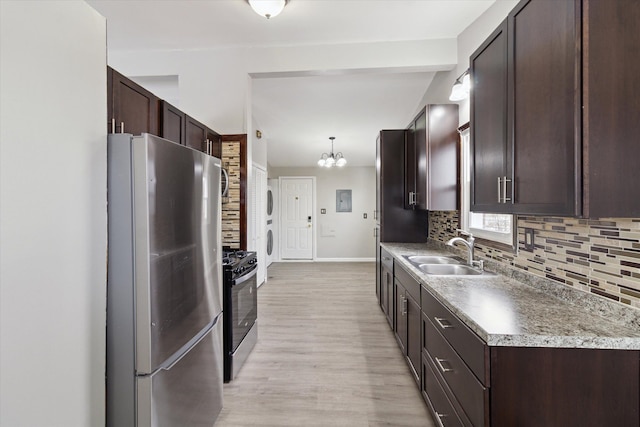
375	232
404	306
440	320
499	189
504	189
439	417
386	258
441	366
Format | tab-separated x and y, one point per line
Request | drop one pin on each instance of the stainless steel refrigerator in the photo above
164	292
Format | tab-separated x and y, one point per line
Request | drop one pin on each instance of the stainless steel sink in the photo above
450	270
438	265
432	259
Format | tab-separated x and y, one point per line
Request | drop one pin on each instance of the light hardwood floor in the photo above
325	355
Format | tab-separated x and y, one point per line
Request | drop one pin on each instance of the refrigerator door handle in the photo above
225	192
178	355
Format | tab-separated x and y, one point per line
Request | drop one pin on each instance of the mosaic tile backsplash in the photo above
231	206
597	256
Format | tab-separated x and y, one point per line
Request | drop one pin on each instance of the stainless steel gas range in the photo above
240	309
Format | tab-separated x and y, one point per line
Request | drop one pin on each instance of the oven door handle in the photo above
240	280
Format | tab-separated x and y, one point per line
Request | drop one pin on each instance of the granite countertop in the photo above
520	310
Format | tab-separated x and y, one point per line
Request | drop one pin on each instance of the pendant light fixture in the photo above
267	8
330	160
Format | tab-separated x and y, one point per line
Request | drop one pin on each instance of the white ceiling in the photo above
299	114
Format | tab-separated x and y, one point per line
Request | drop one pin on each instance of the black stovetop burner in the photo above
232	257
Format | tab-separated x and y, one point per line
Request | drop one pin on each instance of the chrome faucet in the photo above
469	243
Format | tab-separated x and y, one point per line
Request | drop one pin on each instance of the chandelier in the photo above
330	160
267	8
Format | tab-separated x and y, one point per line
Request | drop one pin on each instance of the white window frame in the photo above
465	213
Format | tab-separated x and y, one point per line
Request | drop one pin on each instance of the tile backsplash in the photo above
597	256
231	207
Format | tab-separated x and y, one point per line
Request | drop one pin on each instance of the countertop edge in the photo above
591	305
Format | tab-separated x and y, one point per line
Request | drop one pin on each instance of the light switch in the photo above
323	211
364	215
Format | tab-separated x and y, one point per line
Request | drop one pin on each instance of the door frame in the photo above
314	227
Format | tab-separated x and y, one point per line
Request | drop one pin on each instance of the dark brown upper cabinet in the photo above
544	115
611	115
431	159
397	224
215	143
132	108
413	197
200	137
553	108
196	135
488	120
525	112
173	123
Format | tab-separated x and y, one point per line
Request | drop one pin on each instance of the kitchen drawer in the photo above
472	395
441	407
467	344
386	259
410	284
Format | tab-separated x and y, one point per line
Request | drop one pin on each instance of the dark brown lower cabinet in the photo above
564	387
437	399
414	346
400	324
522	386
408	319
387	301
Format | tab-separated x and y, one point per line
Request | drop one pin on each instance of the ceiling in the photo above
298	113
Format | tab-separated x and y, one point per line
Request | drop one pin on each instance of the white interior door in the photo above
296	202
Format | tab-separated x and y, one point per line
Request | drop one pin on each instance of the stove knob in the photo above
253	261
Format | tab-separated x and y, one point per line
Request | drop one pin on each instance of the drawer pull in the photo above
443	323
439	418
441	366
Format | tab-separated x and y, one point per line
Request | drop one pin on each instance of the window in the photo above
496	227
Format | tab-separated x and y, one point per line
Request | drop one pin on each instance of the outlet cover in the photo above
529	241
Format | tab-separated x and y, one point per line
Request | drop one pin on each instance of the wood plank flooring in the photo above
325	355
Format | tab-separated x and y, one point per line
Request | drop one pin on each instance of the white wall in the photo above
468	41
352	237
53	218
214	83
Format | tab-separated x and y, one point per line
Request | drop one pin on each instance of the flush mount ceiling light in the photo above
461	87
267	8
330	160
